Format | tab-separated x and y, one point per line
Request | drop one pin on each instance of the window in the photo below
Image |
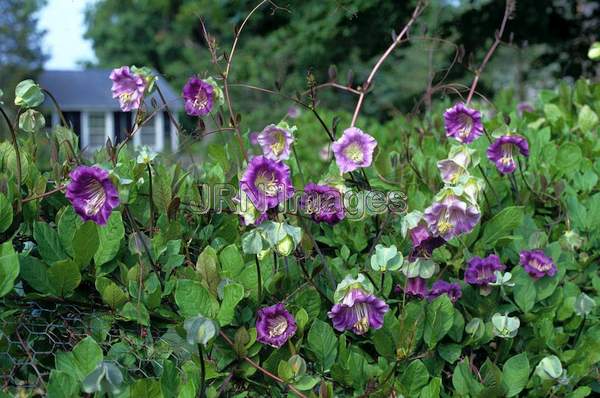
97	129
148	133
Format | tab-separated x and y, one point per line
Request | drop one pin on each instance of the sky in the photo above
64	23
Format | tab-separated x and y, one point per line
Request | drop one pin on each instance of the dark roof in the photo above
90	90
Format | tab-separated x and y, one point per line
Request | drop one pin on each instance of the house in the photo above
85	99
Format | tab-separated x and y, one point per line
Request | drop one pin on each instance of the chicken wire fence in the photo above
32	334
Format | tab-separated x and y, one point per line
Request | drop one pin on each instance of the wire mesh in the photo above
32	334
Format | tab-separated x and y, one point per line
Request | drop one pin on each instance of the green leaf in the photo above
48	242
464	382
64	277
501	225
6	213
208	267
568	157
432	390
414	377
252	242
193	299
232	262
233	293
524	291
515	374
594	51
438	321
450	352
136	312
9	268
35	273
145	388
111	235
85	244
587	119
111	293
62	385
28	94
323	343
84	358
68	222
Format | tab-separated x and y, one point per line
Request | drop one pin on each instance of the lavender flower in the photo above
128	87
524	107
358	312
325	153
481	271
275	142
451	217
416	287
274	325
353	150
537	264
266	183
253	138
92	194
198	96
452	290
463	124
293	112
501	152
323	203
423	244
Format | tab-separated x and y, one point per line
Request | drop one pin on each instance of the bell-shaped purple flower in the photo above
92	194
266	183
358	312
537	264
463	124
451	217
416	287
440	287
198	96
502	150
128	88
274	325
323	203
423	243
353	150
524	107
275	142
480	271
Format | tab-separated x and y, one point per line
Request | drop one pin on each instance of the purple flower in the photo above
524	107
293	112
323	203
128	87
480	271
353	150
463	124
275	142
452	290
451	217
253	138
92	194
501	152
537	264
325	153
358	312
198	96
267	183
416	287
274	325
423	243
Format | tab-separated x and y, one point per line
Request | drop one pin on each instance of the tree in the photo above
21	54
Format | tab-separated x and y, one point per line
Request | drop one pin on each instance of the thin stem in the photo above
151	193
226	77
333	85
258	279
55	102
387	52
45	194
263	370
507	11
202	392
164	101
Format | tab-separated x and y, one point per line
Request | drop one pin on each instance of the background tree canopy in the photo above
547	39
